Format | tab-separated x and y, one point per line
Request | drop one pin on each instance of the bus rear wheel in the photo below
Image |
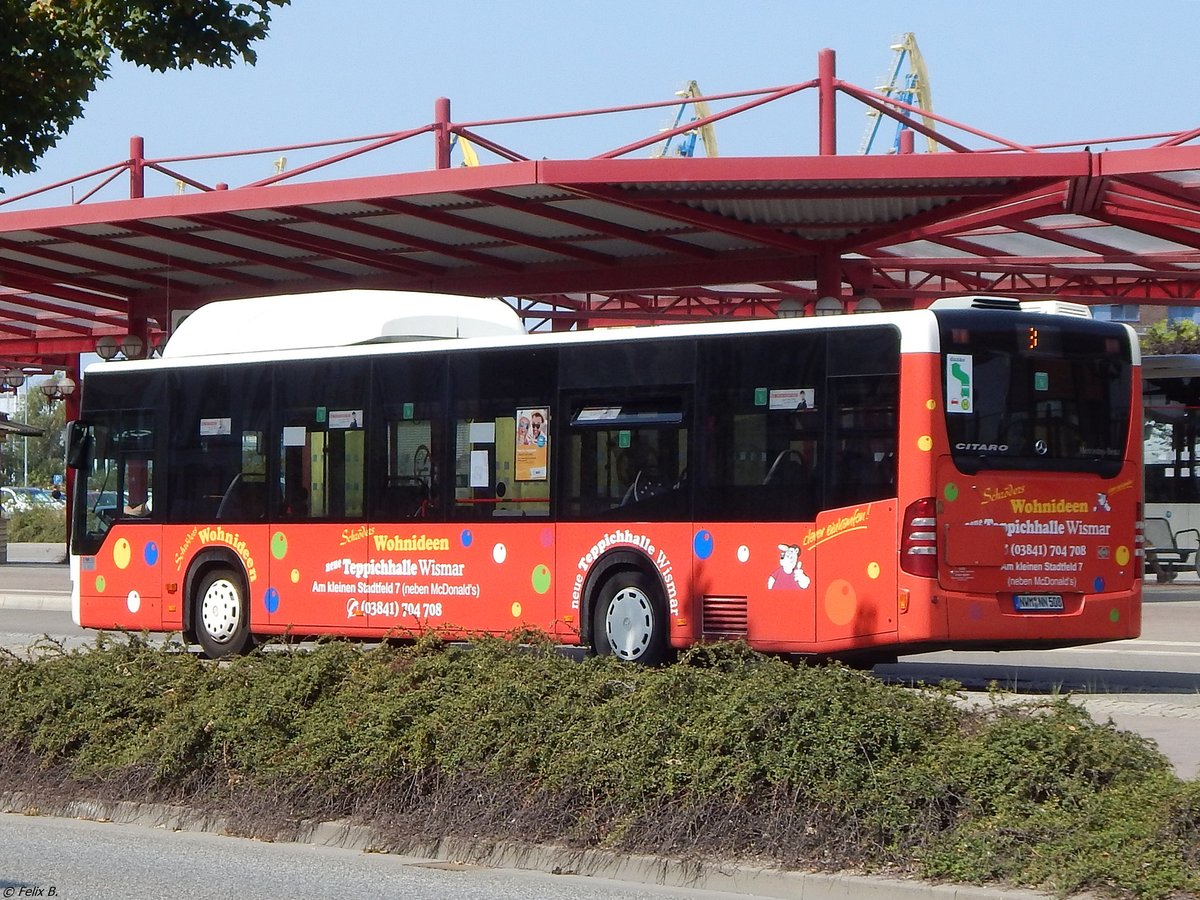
630	621
221	615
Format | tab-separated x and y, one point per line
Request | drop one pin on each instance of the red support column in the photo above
829	274
441	133
827	102
907	144
71	403
137	168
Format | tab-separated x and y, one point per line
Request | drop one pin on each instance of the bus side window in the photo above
322	439
763	434
627	460
217	441
502	462
863	439
411	485
137	479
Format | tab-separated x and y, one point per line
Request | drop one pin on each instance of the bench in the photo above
1164	556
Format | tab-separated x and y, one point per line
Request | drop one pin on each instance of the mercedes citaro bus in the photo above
379	465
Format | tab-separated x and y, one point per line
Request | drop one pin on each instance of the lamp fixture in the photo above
829	306
130	346
107	347
58	386
789	308
133	346
11	380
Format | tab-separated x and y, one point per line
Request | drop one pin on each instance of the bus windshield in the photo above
1021	395
117	463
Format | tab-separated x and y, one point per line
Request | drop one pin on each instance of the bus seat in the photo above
404	498
245	500
788	468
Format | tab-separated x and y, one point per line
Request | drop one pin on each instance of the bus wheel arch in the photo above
217	605
626	610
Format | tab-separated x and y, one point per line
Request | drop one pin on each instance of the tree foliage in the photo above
59	50
42	457
1171	337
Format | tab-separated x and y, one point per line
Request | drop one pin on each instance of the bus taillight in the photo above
918	546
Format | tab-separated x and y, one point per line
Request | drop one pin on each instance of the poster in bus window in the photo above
797	399
960	387
533	439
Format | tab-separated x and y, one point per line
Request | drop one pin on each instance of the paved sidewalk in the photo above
36	576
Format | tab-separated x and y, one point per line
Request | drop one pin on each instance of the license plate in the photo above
1038	601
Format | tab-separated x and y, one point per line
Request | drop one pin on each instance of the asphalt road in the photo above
69	858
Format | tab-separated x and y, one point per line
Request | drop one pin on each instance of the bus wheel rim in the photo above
220	611
629	623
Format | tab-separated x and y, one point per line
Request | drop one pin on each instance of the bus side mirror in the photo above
79	445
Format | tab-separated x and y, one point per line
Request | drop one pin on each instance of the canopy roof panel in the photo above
607	237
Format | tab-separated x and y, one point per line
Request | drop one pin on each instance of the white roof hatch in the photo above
337	319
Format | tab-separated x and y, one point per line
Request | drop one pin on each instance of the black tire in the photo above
630	619
221	615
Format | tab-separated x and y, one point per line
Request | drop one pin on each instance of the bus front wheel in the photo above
630	621
221	618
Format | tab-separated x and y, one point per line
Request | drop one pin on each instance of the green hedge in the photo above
38	525
726	754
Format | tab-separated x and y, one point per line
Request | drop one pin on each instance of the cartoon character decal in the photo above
790	576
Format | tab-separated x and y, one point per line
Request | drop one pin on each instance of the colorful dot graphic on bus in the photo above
931	404
466	537
841	602
279	545
150	554
499	553
950	492
1122	555
541	579
925	442
516	610
873	570
122	553
1098	584
703	544
547	537
271	601
743	553
295	576
133	602
100	583
1114	615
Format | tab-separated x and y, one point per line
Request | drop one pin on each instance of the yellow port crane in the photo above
913	88
694	104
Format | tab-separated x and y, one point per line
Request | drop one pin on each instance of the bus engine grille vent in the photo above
725	615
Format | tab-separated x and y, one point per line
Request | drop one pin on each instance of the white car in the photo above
20	499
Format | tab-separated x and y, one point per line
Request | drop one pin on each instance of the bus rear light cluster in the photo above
918	543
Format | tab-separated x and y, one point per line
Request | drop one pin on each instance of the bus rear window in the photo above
1024	393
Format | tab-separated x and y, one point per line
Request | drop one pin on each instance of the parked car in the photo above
21	499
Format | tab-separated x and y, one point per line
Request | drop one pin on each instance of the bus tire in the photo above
630	620
221	614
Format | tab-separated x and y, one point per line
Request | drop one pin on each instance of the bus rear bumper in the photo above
1001	621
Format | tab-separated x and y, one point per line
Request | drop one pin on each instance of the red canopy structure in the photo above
615	237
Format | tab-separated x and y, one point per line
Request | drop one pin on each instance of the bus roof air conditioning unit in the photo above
1058	308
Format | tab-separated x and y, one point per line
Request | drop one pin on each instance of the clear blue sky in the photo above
1036	71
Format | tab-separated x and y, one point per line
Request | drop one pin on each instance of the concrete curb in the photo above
51	553
40	600
737	878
